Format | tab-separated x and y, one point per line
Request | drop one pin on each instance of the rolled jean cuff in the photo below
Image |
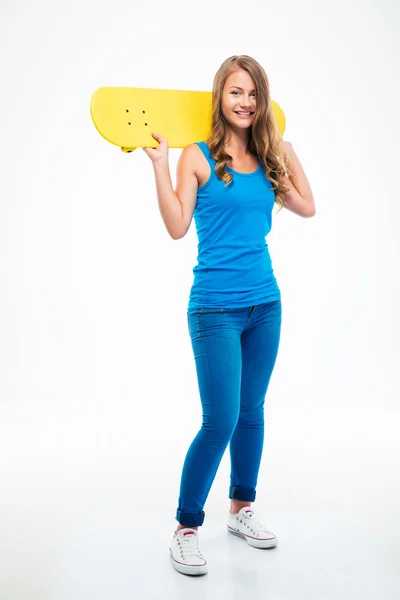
190	519
245	494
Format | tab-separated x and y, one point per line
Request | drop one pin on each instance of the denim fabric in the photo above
235	350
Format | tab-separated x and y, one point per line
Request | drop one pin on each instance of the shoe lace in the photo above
190	545
254	523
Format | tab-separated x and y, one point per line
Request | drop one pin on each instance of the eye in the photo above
236	92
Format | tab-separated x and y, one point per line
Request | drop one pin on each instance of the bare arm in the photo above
176	207
299	199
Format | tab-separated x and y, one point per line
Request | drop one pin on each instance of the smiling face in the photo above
238	103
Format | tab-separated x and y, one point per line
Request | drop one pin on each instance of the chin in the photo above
240	124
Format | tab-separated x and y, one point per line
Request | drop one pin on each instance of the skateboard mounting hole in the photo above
146	124
129	123
143	111
127	110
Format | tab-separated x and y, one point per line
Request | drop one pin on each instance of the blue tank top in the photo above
234	267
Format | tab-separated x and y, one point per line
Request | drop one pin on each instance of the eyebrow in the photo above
239	88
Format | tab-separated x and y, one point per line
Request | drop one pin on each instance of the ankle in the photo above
236	505
179	527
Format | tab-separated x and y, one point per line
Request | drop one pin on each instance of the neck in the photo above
236	141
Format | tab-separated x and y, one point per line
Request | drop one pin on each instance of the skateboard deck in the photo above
126	116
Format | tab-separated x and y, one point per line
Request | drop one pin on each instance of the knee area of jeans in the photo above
254	420
220	432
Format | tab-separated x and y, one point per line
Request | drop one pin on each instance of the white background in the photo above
99	399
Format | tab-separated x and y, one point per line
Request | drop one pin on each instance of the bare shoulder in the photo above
193	159
191	152
188	159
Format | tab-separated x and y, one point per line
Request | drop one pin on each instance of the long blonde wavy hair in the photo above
265	141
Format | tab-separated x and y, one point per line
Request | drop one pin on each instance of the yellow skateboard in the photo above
126	116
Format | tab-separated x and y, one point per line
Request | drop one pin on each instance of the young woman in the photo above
230	184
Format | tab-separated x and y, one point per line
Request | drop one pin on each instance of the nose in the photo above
247	102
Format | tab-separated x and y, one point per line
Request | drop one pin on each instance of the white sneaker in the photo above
185	553
245	525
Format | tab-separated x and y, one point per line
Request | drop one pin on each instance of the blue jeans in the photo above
235	350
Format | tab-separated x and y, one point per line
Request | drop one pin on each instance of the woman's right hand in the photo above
159	154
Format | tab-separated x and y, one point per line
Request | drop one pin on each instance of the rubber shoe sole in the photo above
188	569
252	541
